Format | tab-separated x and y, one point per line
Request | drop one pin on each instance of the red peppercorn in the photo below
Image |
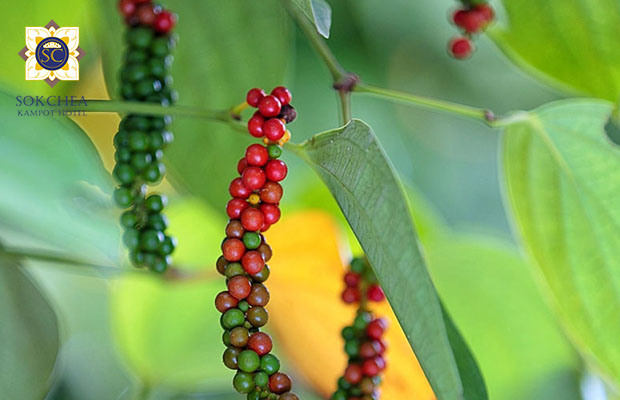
146	14
353	374
461	48
235	207
282	94
274	129
351	295
352	279
259	296
254	96
236	189
279	383
252	262
224	302
255	125
271	193
252	219
265	227
271	213
233	249
487	12
164	22
242	165
375	293
382	345
370	368
239	287
256	155
127	7
269	106
369	349
261	343
375	328
234	229
276	170
253	178
470	20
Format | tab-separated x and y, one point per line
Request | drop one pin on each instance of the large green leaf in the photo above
224	49
573	42
317	11
359	175
55	189
29	336
563	185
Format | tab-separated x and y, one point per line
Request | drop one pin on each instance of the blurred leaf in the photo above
29	335
491	294
319	12
238	46
563	184
310	278
55	189
361	178
572	42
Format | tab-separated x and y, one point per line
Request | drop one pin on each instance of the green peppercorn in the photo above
262	275
156	139
123	197
155	203
136	73
257	316
243	382
140	160
226	338
230	357
234	269
261	379
251	240
360	322
140	37
150	259
248	361
121	139
131	238
158	123
138	141
124	174
339	395
348	333
161	46
129	219
122	155
157	67
127	91
352	348
356	391
343	384
147	87
358	265
157	221
274	151
168	245
243	306
137	123
160	264
151	239
135	56
137	258
232	318
153	172
254	395
269	364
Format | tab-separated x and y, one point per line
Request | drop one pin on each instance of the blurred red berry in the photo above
269	106
254	96
375	293
164	22
461	48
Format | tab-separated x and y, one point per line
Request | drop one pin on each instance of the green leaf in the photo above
238	46
575	42
359	175
490	292
55	189
29	336
319	12
563	184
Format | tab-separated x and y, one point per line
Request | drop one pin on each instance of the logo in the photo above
52	53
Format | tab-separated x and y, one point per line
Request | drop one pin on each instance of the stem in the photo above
345	103
50	257
480	114
154	109
309	31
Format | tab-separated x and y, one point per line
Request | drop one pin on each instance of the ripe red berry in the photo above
265	227
261	343
235	207
253	178
282	94
239	287
164	22
127	7
375	293
146	14
269	106
254	96
252	262
233	249
242	165
470	20
234	229
276	170
353	374
375	328
225	301
279	383
252	219
351	295
461	48
352	279
487	12
274	129
271	213
382	345
369	349
255	125
370	368
236	189
256	155
271	193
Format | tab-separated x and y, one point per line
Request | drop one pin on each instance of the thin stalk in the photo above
345	103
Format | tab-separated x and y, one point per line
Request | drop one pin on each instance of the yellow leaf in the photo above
307	315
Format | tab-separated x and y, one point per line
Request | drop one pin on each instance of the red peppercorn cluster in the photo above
364	343
254	207
143	12
471	19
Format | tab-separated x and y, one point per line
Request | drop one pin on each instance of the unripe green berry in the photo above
243	306
251	240
348	333
124	174
230	357
154	172
226	338
137	258
254	395
162	46
131	238
157	221
122	155
151	239
339	395
343	383
232	318
168	246
129	219
269	364
263	275
243	382
136	73
121	139
155	203
135	56
261	379
137	123
140	160
361	321
233	269
358	265
248	361
138	141
274	151
161	264
140	37
123	197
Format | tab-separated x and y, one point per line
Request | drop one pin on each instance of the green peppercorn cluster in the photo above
139	145
363	340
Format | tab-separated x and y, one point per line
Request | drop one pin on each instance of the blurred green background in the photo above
106	318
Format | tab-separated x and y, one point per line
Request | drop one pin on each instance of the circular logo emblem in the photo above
52	53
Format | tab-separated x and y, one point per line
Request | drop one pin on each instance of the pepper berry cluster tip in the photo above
472	18
254	207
